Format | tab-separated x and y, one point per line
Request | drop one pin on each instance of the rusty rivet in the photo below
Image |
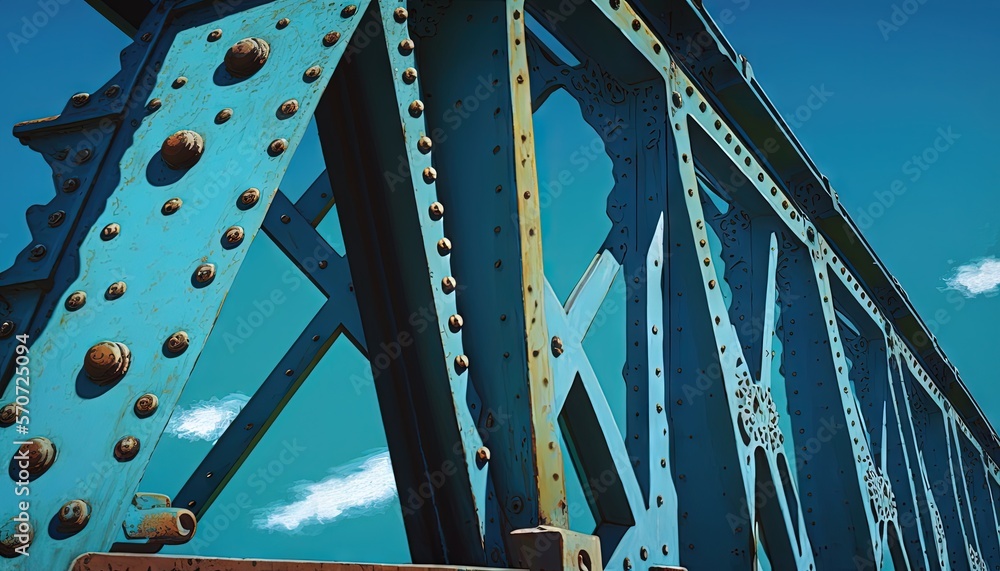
416	108
126	448
70	184
204	273
146	37
178	342
234	235
82	156
112	91
285	219
406	46
436	210
247	56
424	144
349	11
56	218
557	346
313	72
41	454
289	107
182	149
676	98
400	14
73	516
711	284
331	38
8	414
322	264
154	104
448	284
430	175
277	147
36	253
80	99
15	537
146	405
171	206
461	363
115	290
455	323
409	75
444	246
223	116
6	329
249	197
76	300
214	35
283	23
180	82
110	231
483	454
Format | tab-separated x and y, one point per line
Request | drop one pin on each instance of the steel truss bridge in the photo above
784	405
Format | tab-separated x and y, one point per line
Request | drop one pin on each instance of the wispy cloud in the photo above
982	277
207	419
363	486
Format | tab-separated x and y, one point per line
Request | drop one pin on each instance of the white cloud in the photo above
207	419
363	486
982	277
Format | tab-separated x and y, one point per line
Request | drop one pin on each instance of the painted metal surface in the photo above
784	407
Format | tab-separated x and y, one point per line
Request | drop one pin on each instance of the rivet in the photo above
182	149
636	25
313	72
483	454
181	81
115	290
76	300
146	37
154	104
126	448
70	184
249	197
711	284
41	454
146	405
112	91
283	23
448	284
455	323
349	11
234	235
331	38
424	144
82	156
406	46
204	273
12	538
223	116
247	56
436	210
557	346
171	206
80	99
615	4
6	329
409	75
36	253
643	553
178	342
322	264
277	147
627	564
400	14
8	414
461	363
676	98
214	35
444	246
73	516
56	218
416	108
288	108
657	48
430	175
110	231
285	219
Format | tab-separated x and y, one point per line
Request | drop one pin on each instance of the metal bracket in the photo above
547	548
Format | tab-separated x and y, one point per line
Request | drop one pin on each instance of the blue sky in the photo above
895	95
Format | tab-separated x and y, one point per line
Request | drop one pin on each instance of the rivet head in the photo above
331	38
400	14
461	363
444	246
313	72
409	75
36	253
115	290
430	175
406	46
204	273
8	414
107	362
73	516
636	25
455	323
56	218
13	536
349	11
178	342
483	454
171	206
146	405
112	91
234	235
214	35
247	56
223	116
424	144
41	454
76	300
126	448
249	197
180	82
436	210
70	184
154	104
182	149
110	231
557	346
83	156
448	284
285	219
277	147
676	98
80	99
416	108
146	37
6	329
289	107
283	23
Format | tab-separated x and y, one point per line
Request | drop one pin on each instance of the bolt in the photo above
331	38
416	108
406	46
171	206
8	414
182	149
36	253
80	99
56	218
436	210
12	537
313	72
76	300
110	231
146	405
180	82
448	284
283	23
234	235
430	175
178	342
41	454
204	273
424	144
70	184
223	116
115	291
483	454
461	364
73	516
277	147
409	75
214	35
107	362
444	246
400	14
246	57
126	448
289	107
6	329
455	323
249	197
557	346
112	91
154	104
